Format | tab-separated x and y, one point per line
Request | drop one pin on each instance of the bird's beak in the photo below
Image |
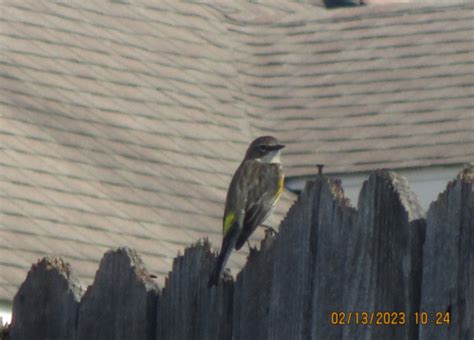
276	147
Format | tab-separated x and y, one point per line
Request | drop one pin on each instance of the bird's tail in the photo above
219	267
228	243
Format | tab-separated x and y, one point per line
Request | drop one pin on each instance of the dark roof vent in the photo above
343	3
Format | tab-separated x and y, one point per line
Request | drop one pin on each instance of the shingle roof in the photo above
121	124
357	89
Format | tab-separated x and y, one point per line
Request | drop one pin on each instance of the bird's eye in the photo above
262	148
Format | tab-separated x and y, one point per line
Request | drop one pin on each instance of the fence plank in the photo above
333	225
47	302
122	301
384	272
448	261
290	293
252	293
188	308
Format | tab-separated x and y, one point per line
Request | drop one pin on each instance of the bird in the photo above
253	192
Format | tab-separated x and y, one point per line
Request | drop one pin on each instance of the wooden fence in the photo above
382	271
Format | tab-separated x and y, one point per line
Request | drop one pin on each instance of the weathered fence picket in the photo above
123	297
448	261
385	273
328	257
188	308
47	304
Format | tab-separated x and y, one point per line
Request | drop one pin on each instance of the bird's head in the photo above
265	149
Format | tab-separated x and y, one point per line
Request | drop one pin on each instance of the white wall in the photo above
427	183
5	312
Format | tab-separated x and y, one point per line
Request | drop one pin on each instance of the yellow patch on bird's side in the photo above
281	185
228	221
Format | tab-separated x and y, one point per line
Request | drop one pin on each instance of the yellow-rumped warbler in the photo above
253	192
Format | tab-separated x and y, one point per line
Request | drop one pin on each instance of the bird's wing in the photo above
262	196
233	220
236	200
